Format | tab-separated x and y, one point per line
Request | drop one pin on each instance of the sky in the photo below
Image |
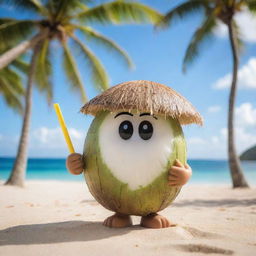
157	56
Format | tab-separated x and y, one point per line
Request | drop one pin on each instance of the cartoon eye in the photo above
145	130
126	130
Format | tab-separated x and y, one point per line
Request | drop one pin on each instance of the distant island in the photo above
249	154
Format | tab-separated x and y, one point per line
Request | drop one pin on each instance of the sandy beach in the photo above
62	218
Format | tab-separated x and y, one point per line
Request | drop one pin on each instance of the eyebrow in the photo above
148	114
123	113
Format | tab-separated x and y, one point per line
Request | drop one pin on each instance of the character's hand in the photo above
179	174
74	163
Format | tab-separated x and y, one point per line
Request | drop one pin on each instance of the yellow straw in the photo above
63	127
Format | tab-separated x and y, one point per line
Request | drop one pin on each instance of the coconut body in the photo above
116	195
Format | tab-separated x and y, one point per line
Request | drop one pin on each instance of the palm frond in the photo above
13	78
98	73
181	11
120	12
97	37
21	65
203	33
251	4
82	6
44	70
62	8
72	72
12	31
10	97
11	89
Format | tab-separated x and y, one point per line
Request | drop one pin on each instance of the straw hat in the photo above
144	96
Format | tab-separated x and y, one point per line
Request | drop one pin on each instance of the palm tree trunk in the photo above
16	51
237	175
17	176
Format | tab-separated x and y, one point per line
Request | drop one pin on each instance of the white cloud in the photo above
215	139
245	115
215	146
44	142
243	138
195	141
246	77
247	24
221	30
223	82
45	138
214	109
245	127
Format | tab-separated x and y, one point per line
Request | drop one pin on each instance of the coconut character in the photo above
134	158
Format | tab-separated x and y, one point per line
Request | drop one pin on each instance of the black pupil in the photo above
126	130
145	130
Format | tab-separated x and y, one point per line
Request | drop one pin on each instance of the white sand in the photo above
62	218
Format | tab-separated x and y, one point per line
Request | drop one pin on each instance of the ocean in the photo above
204	171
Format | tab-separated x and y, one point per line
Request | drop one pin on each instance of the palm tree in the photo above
216	11
65	21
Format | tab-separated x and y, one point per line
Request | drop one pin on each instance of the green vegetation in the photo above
249	154
11	84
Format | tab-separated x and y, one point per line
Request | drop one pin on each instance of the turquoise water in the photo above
204	171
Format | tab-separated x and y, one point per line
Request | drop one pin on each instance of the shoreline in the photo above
190	183
62	218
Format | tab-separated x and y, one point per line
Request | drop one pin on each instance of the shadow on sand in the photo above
216	203
58	232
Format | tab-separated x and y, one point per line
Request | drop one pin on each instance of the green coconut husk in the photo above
116	195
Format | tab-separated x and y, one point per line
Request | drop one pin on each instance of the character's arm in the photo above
179	174
75	164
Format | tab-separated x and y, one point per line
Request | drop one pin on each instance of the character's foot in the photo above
155	221
118	221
